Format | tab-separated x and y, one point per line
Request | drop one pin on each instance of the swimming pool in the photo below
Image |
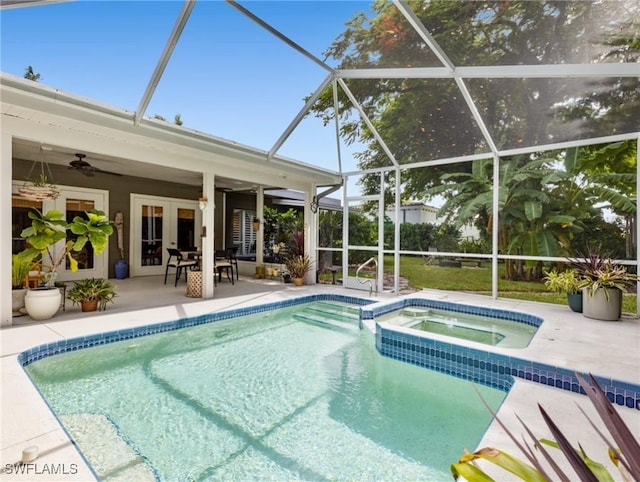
295	393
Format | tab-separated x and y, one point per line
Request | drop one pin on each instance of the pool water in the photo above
478	328
296	393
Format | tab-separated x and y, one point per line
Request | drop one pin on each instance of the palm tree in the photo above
526	223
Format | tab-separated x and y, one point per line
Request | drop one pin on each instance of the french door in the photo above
159	223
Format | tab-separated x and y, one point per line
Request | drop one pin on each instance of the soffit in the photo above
169	144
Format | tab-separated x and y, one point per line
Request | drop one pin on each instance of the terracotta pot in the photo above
90	305
298	281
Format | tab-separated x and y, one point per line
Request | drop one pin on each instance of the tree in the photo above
607	173
528	223
422	119
422	236
283	228
549	203
29	74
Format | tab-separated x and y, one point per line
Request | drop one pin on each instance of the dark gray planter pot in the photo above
599	307
575	301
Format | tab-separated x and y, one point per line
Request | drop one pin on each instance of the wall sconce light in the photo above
202	203
256	224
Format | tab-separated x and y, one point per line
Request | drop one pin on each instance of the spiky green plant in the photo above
622	447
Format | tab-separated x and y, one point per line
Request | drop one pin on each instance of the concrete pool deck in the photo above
566	339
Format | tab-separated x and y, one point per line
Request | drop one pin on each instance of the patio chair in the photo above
233	259
223	263
179	264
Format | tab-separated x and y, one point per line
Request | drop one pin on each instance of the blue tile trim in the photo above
42	351
492	369
373	311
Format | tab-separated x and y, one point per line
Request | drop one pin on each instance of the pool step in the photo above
415	312
110	456
333	315
348	311
309	316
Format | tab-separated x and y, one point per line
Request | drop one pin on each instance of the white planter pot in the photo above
17	301
42	303
601	307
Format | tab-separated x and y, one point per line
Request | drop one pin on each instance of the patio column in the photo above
310	235
208	249
5	221
260	232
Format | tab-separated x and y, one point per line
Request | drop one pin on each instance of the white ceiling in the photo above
32	151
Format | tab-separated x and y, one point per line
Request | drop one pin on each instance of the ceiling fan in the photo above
87	169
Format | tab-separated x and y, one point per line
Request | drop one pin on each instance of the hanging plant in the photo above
39	189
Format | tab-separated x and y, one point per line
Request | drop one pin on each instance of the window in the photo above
243	234
20	220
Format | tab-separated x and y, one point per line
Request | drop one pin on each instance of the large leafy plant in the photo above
21	265
47	229
622	447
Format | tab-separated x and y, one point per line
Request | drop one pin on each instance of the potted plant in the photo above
45	231
92	293
565	282
603	290
39	189
603	283
21	265
298	266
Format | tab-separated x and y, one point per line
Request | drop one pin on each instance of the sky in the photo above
227	77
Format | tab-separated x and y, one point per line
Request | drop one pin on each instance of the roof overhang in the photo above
45	115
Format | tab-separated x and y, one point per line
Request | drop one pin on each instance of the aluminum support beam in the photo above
367	121
426	36
298	118
280	35
164	59
555	71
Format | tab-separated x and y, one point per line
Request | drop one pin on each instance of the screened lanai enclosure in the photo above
490	139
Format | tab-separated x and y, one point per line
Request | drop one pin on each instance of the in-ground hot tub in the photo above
480	328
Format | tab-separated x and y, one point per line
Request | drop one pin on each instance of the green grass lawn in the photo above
478	280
